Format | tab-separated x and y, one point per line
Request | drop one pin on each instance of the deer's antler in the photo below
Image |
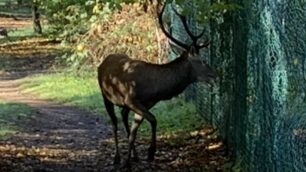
193	37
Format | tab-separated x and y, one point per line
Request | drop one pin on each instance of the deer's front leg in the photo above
152	148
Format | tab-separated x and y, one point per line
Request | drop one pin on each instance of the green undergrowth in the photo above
21	32
83	91
11	115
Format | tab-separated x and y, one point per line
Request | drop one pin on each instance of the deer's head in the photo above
202	71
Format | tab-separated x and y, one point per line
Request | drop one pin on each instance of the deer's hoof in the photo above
136	159
150	157
127	164
117	160
151	154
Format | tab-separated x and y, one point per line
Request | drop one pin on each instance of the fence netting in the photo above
259	103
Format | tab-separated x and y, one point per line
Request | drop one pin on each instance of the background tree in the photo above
19	2
36	17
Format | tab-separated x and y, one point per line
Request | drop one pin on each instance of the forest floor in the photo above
62	138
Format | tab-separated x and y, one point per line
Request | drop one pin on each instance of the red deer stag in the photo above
137	85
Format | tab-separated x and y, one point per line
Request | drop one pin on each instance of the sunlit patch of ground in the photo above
26	46
11	23
30	46
25	53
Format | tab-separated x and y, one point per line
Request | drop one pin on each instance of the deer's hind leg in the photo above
142	112
110	110
125	118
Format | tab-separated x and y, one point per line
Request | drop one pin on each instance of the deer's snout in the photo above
212	77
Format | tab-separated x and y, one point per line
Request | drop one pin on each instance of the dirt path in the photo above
63	138
56	138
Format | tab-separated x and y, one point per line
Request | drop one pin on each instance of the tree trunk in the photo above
20	2
36	18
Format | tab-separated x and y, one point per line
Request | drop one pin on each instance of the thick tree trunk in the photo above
20	2
36	18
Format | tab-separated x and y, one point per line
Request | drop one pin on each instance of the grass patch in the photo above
22	32
83	91
79	90
10	115
11	7
26	32
15	10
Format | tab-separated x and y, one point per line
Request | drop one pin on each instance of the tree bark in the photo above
20	2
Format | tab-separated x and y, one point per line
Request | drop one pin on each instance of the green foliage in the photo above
10	113
205	11
70	20
66	16
76	23
70	17
130	31
83	91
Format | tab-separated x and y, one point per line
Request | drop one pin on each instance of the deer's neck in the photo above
177	75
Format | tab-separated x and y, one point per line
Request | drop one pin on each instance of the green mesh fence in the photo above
259	105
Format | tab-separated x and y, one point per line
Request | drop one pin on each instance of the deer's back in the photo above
121	67
121	78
